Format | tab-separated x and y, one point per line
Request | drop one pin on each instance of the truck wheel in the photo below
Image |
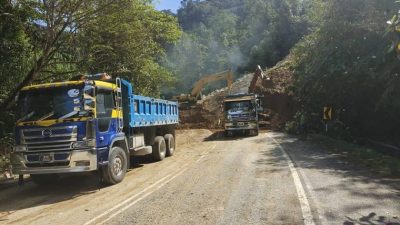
255	132
115	171
170	144
159	148
44	179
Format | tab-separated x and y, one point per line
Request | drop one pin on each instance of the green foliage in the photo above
45	41
344	64
129	40
15	47
294	126
234	34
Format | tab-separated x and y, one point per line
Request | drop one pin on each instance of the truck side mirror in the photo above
89	92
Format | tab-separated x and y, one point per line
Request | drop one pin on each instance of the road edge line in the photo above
308	218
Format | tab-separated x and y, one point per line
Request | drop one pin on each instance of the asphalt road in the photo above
269	179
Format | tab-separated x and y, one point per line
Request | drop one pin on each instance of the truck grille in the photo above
241	117
49	139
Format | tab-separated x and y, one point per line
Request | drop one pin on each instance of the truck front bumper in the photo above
46	163
241	126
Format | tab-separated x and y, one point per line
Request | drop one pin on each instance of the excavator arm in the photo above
259	74
187	100
199	85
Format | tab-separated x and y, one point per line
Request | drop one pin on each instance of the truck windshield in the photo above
50	103
238	106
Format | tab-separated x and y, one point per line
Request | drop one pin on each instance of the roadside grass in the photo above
371	159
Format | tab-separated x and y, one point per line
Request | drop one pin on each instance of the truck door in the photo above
106	124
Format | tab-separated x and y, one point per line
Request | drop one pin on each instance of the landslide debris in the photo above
276	98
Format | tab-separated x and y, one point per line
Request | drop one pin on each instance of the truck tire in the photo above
256	131
44	179
253	133
115	171
170	144
159	148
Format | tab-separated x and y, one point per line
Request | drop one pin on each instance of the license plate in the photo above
46	158
241	124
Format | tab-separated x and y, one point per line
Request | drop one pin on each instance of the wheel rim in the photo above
163	149
171	145
117	165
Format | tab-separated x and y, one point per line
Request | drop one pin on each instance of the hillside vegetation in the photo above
236	34
347	63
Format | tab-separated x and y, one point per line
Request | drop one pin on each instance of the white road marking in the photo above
312	193
304	204
205	153
160	182
128	199
141	198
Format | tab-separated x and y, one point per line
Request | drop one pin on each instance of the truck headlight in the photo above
79	144
20	148
228	117
83	144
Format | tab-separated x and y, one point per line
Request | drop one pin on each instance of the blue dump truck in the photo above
89	124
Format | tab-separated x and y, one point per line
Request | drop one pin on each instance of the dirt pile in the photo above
208	113
276	99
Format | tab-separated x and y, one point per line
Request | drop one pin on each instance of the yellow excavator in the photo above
195	95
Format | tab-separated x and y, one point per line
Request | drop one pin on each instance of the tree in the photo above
62	38
129	41
15	47
51	28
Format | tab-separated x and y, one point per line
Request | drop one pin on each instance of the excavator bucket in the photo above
266	82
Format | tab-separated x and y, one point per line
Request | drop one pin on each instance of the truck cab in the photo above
241	114
88	125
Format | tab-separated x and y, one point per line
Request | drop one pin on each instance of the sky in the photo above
173	5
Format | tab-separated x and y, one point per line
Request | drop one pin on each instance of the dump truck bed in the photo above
141	111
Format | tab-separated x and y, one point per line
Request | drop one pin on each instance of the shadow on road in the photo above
307	155
220	136
371	219
14	198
